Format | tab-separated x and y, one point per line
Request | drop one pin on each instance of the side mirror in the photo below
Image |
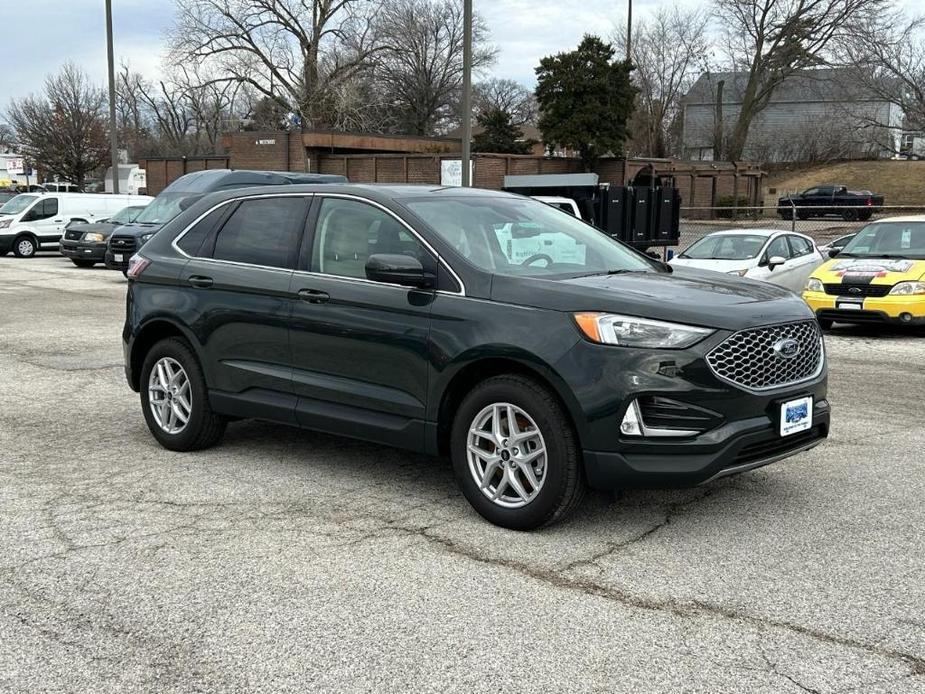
774	261
398	269
833	252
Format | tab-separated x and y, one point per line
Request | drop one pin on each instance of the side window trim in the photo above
309	243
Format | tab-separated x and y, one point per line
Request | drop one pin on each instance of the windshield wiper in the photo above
895	256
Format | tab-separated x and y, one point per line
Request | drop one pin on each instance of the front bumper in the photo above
733	448
904	310
81	250
113	264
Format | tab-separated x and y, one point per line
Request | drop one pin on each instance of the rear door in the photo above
237	289
804	259
359	347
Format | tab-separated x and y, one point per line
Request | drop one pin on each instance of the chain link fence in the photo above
823	225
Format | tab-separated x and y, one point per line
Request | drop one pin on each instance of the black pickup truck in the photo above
821	201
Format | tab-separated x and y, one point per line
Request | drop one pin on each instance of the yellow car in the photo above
878	277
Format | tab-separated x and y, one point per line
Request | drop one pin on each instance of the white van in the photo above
35	221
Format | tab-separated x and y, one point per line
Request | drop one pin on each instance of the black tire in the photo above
850	215
825	323
25	246
83	263
563	487
803	215
125	273
204	428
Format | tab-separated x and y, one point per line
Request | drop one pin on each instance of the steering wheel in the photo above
538	256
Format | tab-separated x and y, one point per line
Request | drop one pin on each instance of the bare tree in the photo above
7	137
509	96
63	132
770	40
887	57
668	52
419	69
292	51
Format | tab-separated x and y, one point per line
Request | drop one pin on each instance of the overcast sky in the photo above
40	35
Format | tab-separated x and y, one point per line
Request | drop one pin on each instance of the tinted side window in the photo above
192	240
348	232
799	246
50	207
778	247
262	232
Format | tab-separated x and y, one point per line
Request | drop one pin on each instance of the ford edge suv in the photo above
538	354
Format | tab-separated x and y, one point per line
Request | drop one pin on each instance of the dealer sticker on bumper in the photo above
796	416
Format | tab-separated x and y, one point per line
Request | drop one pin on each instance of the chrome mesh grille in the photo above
748	358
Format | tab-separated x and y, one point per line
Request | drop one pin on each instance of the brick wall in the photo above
162	172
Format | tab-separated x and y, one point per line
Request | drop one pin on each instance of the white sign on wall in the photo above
15	167
451	172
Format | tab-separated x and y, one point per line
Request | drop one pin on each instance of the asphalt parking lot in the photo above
290	561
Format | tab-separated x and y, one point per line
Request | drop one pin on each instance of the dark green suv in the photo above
537	353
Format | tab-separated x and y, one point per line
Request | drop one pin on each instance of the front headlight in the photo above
146	237
814	285
908	289
630	331
737	273
94	237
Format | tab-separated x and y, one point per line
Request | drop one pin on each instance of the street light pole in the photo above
629	31
466	109
113	135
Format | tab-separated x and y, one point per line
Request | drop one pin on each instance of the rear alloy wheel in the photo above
515	454
175	400
24	247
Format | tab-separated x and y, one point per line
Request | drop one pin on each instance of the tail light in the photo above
136	265
870	202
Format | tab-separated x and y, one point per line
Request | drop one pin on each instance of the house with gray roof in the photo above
813	115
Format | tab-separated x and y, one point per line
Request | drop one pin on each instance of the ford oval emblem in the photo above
855	290
787	348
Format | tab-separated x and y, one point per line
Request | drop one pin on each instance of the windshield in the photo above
18	204
126	215
514	236
888	240
726	247
165	207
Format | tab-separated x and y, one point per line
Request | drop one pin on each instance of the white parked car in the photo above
35	221
771	255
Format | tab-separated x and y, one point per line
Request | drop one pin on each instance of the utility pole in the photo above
467	93
629	31
113	135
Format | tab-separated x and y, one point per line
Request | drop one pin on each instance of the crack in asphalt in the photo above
612	548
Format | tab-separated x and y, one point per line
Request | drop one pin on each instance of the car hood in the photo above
869	270
104	228
137	229
715	264
696	297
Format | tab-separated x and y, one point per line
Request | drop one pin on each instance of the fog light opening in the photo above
632	422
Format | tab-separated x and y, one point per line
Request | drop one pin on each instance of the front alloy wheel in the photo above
507	455
169	396
515	453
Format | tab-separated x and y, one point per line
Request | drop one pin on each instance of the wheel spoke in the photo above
178	413
490	471
502	486
530	474
496	424
517	485
185	404
531	456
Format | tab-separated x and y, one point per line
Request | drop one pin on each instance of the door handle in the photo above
314	296
200	282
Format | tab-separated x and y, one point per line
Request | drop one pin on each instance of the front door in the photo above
237	295
359	348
